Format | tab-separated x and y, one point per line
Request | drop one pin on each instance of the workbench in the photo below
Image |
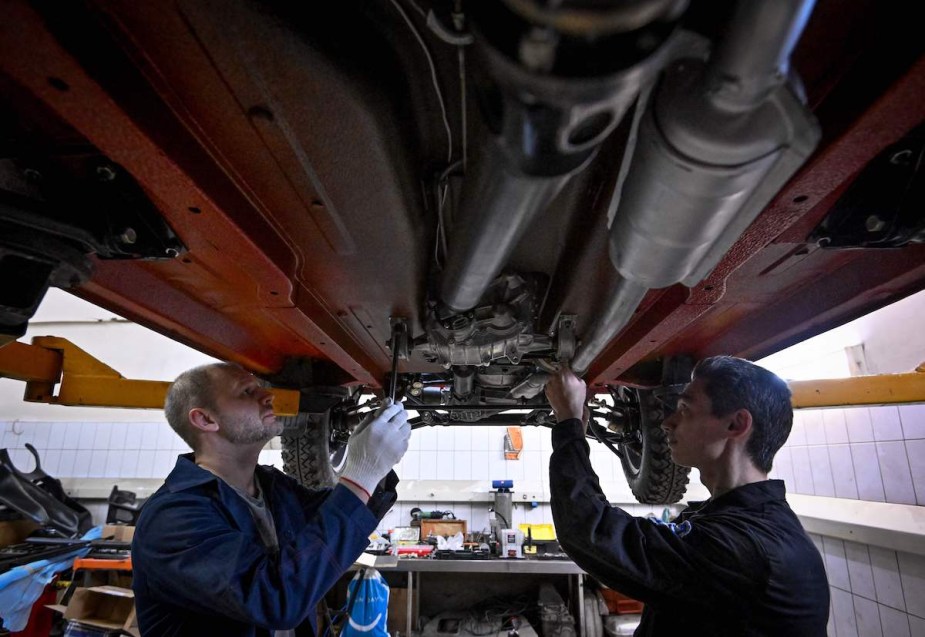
473	580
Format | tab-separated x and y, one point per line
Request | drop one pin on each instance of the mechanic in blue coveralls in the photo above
230	548
736	564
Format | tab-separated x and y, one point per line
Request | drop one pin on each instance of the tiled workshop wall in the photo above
149	450
875	591
875	454
861	453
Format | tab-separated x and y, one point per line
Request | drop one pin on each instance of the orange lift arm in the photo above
87	382
886	389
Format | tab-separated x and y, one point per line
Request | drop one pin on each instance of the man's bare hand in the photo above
567	395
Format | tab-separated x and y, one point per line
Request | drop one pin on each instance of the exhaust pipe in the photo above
558	93
499	204
716	143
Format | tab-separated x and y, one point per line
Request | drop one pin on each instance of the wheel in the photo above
314	441
307	453
644	451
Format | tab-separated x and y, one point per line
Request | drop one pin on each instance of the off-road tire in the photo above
306	450
652	476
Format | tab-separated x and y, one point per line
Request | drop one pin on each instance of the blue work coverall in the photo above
738	564
200	567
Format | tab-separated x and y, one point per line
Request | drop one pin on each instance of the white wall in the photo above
875	454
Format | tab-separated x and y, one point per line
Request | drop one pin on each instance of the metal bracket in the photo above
566	335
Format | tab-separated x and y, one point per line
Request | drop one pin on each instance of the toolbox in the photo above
445	528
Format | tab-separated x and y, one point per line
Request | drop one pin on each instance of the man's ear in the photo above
740	423
202	420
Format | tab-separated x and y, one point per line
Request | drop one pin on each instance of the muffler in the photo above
717	141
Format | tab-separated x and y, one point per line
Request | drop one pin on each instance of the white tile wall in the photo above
867	472
846	623
912	577
897	476
814	426
861	577
915	449
894	623
836	564
836	430
821	469
913	421
843	472
875	592
917	626
875	453
887	582
858	424
886	423
867	615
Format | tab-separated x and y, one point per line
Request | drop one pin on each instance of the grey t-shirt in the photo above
262	517
267	529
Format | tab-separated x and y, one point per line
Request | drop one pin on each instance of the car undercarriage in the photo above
484	190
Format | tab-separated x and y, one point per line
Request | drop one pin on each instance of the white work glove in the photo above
377	445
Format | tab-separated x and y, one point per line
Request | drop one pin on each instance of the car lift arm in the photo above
87	382
886	389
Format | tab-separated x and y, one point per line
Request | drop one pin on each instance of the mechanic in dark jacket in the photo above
230	548
739	563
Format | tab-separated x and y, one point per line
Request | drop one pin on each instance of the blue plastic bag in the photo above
368	601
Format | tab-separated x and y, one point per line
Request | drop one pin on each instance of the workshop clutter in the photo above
440	535
608	613
82	585
110	609
541	541
42	531
430	532
37	496
620	604
512	542
98	600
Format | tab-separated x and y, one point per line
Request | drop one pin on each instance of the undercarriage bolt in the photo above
874	223
128	236
105	173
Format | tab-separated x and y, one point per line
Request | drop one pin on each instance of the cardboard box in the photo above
397	620
108	607
15	531
119	532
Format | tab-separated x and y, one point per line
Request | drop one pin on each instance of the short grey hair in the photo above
193	388
735	383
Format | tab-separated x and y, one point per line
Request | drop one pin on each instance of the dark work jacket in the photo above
738	564
200	567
